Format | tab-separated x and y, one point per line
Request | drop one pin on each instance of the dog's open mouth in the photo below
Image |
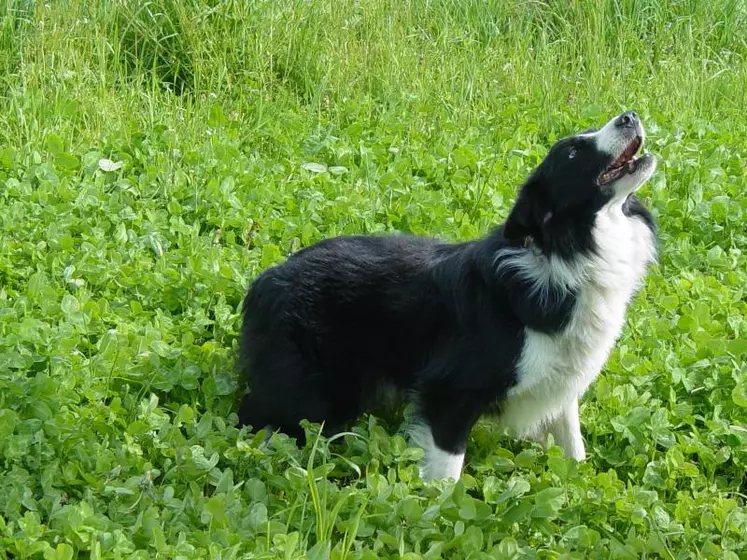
625	163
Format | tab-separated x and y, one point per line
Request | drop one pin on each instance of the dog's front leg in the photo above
438	463
445	421
566	429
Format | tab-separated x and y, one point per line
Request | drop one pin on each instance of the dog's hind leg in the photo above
283	408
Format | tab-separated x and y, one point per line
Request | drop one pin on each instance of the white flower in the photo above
109	165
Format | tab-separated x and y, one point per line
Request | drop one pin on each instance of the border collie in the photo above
516	324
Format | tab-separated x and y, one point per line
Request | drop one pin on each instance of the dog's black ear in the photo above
518	223
529	214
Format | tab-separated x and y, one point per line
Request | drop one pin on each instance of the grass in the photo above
246	130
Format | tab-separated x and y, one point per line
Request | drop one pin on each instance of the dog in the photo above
516	325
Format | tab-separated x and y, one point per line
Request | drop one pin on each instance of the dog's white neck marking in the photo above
555	369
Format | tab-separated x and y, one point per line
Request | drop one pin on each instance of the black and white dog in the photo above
517	324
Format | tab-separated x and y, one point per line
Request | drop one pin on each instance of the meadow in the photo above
156	155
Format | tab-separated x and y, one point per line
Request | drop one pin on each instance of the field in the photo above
156	155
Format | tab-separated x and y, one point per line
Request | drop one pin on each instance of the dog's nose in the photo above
628	119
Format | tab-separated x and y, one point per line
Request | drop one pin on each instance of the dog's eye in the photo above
572	153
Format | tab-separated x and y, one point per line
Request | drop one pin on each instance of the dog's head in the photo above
580	175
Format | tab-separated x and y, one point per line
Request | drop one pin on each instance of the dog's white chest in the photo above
555	369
